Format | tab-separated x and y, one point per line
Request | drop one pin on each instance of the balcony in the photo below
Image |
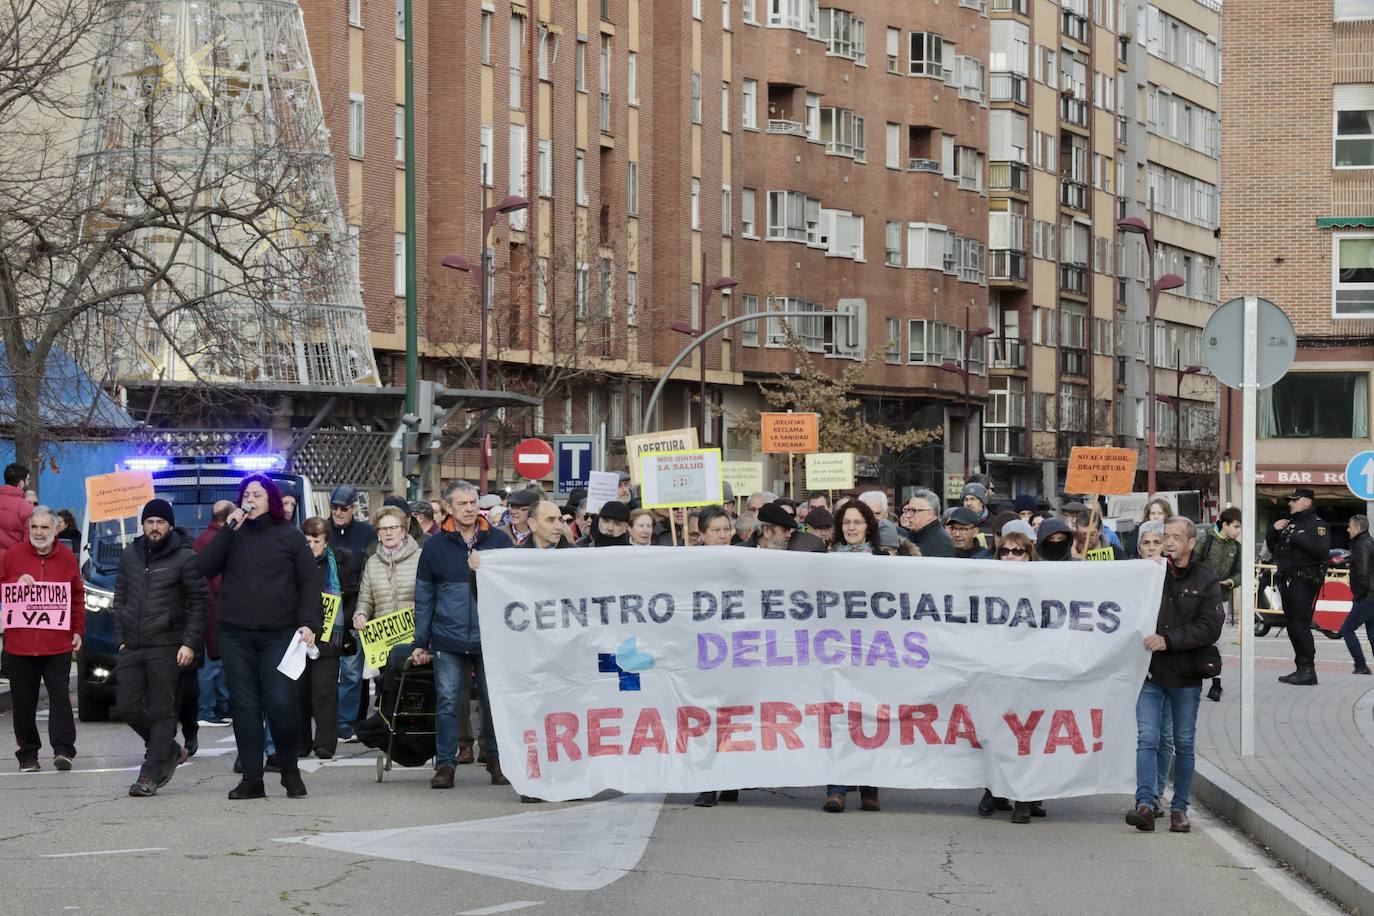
1073	362
924	165
1073	278
1007	87
1122	362
1009	6
1006	353
1073	194
1073	110
1006	264
795	128
1004	442
1008	176
1074	26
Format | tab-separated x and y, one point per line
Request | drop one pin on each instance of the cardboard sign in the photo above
40	606
789	432
382	634
688	478
670	440
744	477
331	605
1101	553
602	487
830	471
122	494
1101	471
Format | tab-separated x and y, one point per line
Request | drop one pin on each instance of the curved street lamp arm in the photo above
700	339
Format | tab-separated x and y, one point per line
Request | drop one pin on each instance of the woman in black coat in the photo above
269	592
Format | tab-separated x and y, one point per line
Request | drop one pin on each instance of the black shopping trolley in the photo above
403	726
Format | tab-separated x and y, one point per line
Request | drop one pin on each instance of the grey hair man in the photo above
921	520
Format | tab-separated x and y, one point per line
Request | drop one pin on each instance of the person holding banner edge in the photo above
269	592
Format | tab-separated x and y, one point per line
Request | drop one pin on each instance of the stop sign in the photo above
533	459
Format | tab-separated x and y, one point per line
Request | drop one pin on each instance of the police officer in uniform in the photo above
1300	544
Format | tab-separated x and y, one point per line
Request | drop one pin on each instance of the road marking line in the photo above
1293	889
79	770
102	852
502	908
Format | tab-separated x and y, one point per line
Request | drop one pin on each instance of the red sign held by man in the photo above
534	459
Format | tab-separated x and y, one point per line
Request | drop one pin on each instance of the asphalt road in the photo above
74	842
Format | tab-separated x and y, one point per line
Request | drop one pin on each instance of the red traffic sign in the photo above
534	459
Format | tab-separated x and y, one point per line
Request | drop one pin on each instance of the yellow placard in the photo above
382	634
744	477
118	495
830	471
331	605
670	480
1101	553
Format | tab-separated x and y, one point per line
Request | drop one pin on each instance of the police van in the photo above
192	485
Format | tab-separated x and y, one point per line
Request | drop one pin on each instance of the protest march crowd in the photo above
287	632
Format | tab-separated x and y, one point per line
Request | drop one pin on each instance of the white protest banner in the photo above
602	487
678	672
830	471
669	440
745	477
672	479
39	606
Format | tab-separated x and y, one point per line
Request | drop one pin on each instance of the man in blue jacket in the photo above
447	631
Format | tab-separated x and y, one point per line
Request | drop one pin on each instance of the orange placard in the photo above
1101	471
789	432
118	495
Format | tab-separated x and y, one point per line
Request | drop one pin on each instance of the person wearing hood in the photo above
317	689
1024	506
975	498
1054	540
610	527
964	532
160	610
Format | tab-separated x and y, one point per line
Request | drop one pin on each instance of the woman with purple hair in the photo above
269	592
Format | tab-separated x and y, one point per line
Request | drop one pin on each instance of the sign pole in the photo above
1248	529
672	527
791	476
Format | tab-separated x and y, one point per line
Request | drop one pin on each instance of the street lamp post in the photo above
509	204
973	337
1168	281
683	327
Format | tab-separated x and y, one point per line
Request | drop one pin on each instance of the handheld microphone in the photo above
247	508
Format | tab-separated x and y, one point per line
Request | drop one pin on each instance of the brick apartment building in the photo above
912	173
1298	229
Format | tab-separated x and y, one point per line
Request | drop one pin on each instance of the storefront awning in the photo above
1345	222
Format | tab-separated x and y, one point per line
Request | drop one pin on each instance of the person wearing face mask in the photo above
610	527
1054	540
269	595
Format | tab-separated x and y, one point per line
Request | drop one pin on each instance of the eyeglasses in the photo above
1012	552
390	528
912	510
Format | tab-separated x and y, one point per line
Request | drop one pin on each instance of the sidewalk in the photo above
1303	794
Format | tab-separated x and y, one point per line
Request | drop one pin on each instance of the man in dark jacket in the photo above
1190	620
355	536
963	532
161	606
214	695
921	520
546	527
1300	544
778	531
447	631
1361	589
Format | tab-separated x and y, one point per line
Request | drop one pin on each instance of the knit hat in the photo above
159	508
976	490
1024	503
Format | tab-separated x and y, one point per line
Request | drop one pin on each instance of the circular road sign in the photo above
1359	476
534	459
1223	343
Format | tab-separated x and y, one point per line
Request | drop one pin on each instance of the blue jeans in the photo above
844	790
214	695
1149	712
1166	749
451	672
350	688
257	688
1361	614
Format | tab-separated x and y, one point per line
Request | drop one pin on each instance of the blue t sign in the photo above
574	457
1359	476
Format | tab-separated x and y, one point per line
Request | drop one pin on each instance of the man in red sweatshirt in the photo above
35	655
14	506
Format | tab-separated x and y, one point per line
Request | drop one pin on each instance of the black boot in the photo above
706	800
1021	813
1362	669
293	784
1305	677
248	788
987	805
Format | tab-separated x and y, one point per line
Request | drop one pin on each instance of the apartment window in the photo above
1354	116
631	298
517	174
926	54
894	50
750	104
632	189
892	245
748	12
813	117
696	203
747	226
355	125
486	37
398	266
1316	405
1352	265
580	290
605	73
545	168
616	424
580	177
696	98
400	19
541	285
400	133
726	211
800	15
926	246
696	305
696	9
749	330
607	289
1354	9
517	44
484	156
793	217
580	65
355	13
894	146
725	107
725	14
892	347
632	78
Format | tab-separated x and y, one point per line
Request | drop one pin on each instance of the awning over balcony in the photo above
1345	222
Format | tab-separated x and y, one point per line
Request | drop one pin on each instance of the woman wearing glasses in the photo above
1018	545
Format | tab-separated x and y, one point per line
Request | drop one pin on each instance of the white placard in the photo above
602	487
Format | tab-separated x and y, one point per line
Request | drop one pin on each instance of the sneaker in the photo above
143	788
349	739
29	766
62	762
213	723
